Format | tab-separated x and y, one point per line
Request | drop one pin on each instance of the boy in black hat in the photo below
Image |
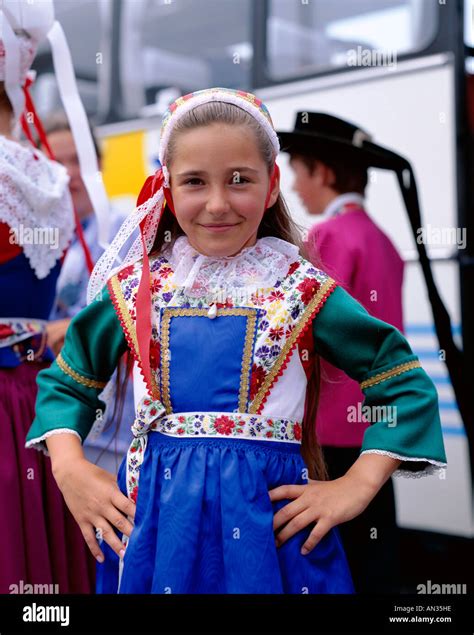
330	160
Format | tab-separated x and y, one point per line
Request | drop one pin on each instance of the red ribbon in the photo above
143	313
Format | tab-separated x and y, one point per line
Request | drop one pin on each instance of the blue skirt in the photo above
204	523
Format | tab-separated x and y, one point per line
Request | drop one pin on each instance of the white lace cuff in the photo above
430	465
39	443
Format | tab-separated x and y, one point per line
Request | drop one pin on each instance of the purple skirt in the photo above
40	542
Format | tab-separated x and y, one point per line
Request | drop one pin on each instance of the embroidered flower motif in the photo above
293	267
154	354
297	431
224	425
155	285
227	304
134	494
276	295
125	272
277	333
308	288
257	378
257	298
263	352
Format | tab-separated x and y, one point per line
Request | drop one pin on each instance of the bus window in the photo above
312	36
186	44
91	62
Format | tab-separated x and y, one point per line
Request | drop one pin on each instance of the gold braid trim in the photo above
90	383
388	374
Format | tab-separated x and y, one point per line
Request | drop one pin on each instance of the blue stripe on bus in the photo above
428	329
440	379
448	405
453	432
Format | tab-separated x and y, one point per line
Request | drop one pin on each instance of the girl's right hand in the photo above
96	502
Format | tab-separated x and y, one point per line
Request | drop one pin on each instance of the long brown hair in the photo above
276	222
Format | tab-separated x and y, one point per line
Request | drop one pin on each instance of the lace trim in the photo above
36	204
103	270
388	374
259	266
39	443
434	466
84	381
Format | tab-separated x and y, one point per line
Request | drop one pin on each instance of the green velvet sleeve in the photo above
401	402
68	390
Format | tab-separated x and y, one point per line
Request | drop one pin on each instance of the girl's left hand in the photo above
328	503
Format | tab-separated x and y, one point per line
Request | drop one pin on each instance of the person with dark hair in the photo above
110	438
330	176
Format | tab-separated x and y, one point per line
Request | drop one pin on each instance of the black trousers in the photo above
371	540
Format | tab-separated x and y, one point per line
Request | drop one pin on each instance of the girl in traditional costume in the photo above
40	543
223	488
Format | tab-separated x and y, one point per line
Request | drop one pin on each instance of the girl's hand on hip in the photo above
328	503
96	502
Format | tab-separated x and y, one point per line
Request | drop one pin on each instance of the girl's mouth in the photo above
218	228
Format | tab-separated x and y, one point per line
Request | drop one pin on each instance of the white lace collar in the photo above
35	202
259	266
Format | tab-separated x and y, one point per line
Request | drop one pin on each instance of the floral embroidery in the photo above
241	425
293	267
125	273
308	288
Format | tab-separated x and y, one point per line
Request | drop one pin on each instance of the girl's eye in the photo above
194	181
239	180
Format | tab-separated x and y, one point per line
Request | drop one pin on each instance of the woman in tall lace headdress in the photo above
40	543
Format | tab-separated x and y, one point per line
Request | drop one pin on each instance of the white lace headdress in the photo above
23	25
148	213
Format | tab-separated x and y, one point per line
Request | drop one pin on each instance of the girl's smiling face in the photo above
219	182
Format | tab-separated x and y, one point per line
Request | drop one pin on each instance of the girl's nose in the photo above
217	202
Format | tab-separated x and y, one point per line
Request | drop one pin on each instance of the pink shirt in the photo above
354	251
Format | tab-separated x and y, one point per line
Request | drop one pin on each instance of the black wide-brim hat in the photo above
324	136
